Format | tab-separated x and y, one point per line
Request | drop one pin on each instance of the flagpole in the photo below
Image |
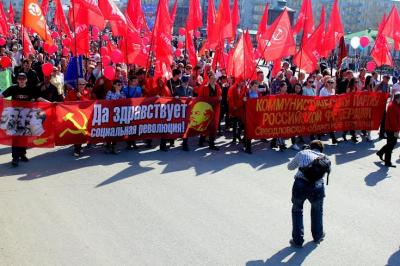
76	56
152	39
259	59
302	38
23	32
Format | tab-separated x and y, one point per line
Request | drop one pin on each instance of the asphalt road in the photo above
148	207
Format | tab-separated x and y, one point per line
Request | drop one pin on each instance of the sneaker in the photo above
354	139
294	245
24	158
295	147
77	154
318	241
14	163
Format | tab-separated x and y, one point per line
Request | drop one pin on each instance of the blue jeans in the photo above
314	193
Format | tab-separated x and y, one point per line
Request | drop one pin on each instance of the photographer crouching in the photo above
312	166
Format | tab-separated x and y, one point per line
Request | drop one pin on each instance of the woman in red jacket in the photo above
236	103
392	128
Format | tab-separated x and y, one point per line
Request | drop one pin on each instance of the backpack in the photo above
316	170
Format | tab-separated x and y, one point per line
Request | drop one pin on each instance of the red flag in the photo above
391	28
222	28
242	63
190	49
134	48
195	16
210	16
309	54
60	20
86	12
82	40
305	21
220	58
262	28
342	54
162	38
278	42
334	31
276	67
135	13
32	17
381	51
116	18
3	21
235	18
45	7
11	14
173	11
28	47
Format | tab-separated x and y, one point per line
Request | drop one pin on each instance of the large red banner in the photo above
293	115
26	124
31	124
141	118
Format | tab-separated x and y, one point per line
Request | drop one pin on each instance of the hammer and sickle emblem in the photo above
34	9
80	129
278	34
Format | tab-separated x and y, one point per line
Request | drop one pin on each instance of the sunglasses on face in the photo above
330	82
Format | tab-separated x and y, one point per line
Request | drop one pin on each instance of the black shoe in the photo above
24	158
114	151
344	137
282	147
129	147
335	141
14	163
234	141
163	148
213	148
390	165
248	151
380	156
382	137
354	139
185	147
294	245
318	241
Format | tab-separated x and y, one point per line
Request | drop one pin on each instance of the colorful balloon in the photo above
364	41
104	51
182	31
371	66
55	35
2	41
106	60
178	52
66	42
47	69
116	56
5	61
180	45
109	72
355	42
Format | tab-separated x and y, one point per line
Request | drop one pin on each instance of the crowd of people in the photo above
203	80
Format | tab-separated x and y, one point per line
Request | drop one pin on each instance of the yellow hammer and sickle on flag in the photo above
80	129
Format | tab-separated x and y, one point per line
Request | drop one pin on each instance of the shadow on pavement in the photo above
201	160
394	259
287	256
372	179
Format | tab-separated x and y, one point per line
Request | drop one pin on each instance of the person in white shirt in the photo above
395	88
329	90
